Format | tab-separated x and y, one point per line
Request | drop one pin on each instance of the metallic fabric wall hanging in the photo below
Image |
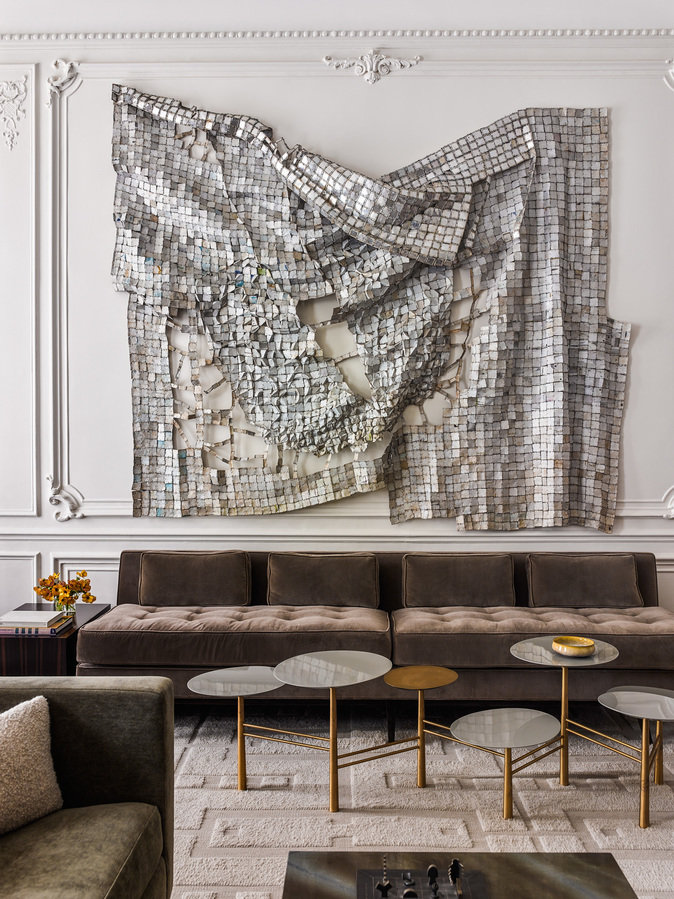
475	276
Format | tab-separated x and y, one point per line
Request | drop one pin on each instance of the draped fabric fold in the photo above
221	230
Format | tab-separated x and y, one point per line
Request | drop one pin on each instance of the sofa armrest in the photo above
112	740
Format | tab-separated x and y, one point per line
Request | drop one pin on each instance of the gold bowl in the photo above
573	646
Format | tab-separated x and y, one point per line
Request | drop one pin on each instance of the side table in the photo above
48	655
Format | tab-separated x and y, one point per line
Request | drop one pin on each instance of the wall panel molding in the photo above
33	558
23	140
66	564
62	84
68	77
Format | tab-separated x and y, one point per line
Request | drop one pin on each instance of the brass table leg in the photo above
563	735
645	775
421	746
334	772
240	744
658	773
507	783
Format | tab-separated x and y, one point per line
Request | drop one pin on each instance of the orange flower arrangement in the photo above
64	593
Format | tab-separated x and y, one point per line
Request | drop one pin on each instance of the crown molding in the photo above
387	33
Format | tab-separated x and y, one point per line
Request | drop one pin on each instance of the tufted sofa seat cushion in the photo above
218	636
469	637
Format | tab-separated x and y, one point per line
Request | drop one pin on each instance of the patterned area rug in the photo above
233	845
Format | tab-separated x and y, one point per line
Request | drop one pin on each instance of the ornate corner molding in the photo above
66	73
373	65
12	97
69	499
668	498
668	77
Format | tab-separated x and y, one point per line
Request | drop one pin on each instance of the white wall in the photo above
64	369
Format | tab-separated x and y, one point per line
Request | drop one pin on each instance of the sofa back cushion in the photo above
583	580
194	579
323	579
458	579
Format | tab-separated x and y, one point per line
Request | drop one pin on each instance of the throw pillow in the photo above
28	785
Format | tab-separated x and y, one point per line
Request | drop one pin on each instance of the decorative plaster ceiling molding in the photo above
474	33
373	65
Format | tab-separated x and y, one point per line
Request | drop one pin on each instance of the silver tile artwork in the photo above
470	287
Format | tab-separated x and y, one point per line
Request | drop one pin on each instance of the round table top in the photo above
420	677
654	703
244	681
539	651
331	668
506	728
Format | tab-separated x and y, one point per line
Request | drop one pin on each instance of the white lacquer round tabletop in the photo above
539	651
246	680
654	703
506	728
331	668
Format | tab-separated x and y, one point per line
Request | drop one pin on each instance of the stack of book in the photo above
33	622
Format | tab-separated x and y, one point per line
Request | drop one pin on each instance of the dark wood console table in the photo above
50	654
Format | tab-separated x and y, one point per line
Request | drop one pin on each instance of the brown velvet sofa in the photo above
181	613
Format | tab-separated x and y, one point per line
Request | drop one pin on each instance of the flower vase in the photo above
68	609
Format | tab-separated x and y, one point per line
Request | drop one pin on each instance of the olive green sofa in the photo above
112	746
